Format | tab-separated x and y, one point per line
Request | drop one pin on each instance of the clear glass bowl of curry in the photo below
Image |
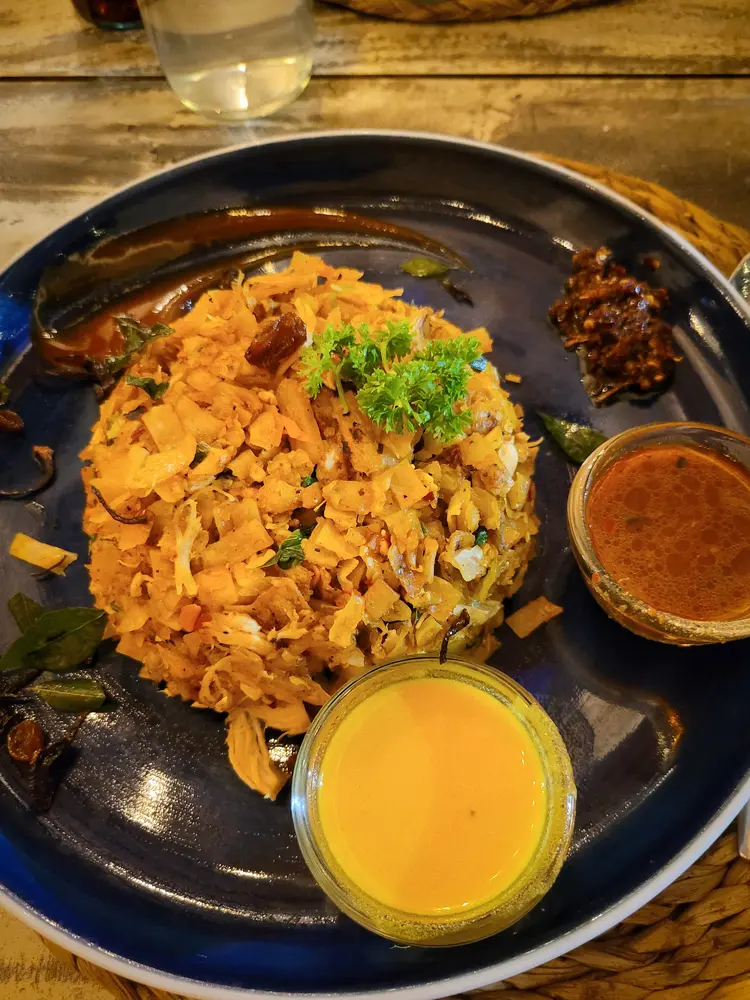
666	550
411	819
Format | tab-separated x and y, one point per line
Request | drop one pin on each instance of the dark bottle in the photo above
116	14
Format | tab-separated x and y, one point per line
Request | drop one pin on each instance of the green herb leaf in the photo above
423	267
394	341
58	640
71	694
424	390
576	440
309	480
481	536
290	552
134	336
398	392
352	356
391	399
326	354
25	611
290	555
136	333
149	385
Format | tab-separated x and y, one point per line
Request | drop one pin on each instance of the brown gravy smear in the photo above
671	524
159	301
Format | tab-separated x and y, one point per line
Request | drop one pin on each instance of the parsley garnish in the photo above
351	356
399	395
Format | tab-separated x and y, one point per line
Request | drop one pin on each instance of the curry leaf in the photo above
71	694
423	267
149	385
58	640
25	611
576	440
290	552
481	536
134	335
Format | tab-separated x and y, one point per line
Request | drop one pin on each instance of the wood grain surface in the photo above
646	37
29	972
67	143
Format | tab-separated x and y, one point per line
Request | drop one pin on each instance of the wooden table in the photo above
657	88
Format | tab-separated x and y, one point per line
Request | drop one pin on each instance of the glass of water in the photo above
232	59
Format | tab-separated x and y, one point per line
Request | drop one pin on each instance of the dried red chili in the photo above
123	519
10	422
614	321
26	741
455	624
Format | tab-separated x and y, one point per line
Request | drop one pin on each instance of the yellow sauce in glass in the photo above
432	796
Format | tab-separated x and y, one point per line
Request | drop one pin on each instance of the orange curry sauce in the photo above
671	524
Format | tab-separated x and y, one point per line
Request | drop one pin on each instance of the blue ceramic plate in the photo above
155	861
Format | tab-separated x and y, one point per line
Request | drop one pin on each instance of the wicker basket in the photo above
459	10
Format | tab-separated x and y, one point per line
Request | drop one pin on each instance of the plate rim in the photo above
434	989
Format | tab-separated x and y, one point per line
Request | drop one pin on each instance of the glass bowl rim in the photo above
685	630
482	919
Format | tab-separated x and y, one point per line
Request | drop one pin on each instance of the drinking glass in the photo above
232	59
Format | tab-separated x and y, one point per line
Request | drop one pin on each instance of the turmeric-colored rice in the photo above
216	465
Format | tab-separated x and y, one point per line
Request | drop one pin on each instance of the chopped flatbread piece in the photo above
532	615
40	554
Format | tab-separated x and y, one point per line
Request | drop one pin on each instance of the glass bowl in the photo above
490	916
620	605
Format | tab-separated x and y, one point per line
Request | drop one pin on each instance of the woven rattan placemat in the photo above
692	941
459	10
